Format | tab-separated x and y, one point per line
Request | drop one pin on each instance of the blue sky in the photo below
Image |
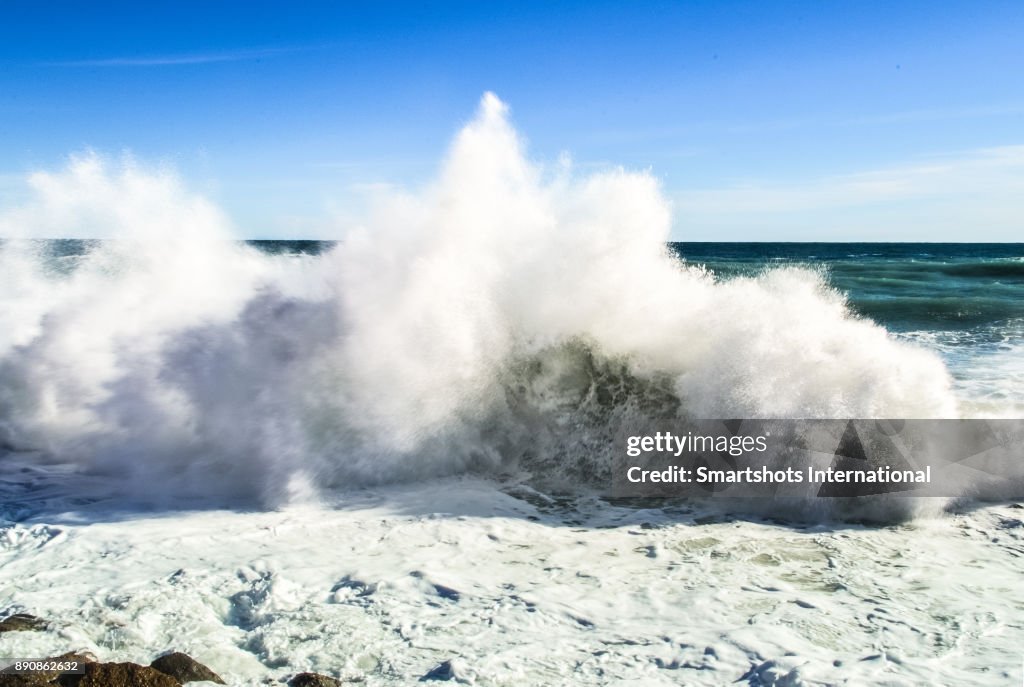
764	120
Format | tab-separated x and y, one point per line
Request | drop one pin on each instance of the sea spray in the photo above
503	316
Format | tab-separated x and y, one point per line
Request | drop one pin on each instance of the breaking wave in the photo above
507	316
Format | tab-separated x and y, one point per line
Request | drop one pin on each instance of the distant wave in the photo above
1013	268
505	317
937	310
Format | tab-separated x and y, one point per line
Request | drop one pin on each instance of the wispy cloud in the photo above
977	195
178	59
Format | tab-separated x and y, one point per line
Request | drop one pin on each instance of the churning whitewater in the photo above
505	315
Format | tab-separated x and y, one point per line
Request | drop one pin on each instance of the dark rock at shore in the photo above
441	672
313	680
120	675
22	622
95	675
49	677
33	680
184	668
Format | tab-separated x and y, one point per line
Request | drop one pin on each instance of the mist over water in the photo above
505	316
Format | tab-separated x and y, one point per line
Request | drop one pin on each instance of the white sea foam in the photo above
988	363
396	580
504	314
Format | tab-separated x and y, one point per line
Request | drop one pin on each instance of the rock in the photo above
123	675
34	680
441	672
22	622
313	680
49	677
772	674
95	675
184	668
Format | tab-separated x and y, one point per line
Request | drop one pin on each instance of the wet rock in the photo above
122	675
184	668
441	672
22	622
49	677
771	674
34	680
313	680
